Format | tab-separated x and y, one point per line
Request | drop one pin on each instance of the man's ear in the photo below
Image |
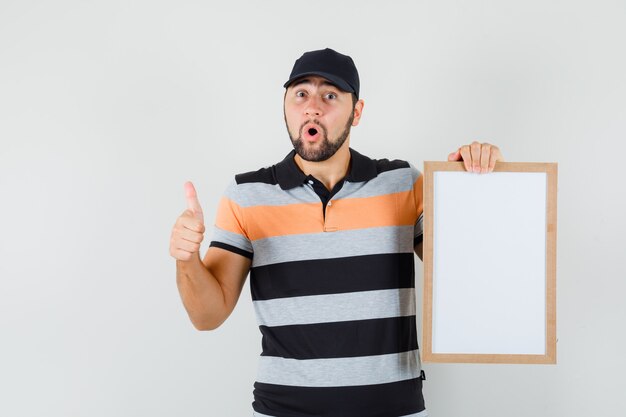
358	110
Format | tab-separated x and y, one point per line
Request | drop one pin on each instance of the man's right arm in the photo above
210	288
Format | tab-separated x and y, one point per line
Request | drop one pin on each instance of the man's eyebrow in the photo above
308	81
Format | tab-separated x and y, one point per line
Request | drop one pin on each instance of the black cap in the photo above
335	67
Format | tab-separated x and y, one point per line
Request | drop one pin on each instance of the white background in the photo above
108	107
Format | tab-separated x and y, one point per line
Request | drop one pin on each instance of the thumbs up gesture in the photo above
188	230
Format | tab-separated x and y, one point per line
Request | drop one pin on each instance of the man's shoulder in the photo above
385	164
266	175
393	167
245	187
381	164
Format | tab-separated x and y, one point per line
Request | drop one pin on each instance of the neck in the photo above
330	171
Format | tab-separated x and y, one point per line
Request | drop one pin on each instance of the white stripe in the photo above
230	238
326	308
261	194
361	370
343	243
394	181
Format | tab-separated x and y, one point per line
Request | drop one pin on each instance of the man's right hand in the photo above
188	230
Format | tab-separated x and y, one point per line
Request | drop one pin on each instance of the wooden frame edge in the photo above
427	253
551	170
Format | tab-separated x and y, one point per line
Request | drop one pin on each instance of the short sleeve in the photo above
418	197
229	231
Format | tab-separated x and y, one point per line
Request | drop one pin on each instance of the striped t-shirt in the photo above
333	287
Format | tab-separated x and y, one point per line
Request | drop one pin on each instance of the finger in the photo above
190	235
186	245
188	221
496	155
175	246
467	158
492	160
455	156
192	201
181	255
485	152
475	152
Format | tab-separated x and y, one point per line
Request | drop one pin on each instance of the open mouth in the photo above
311	132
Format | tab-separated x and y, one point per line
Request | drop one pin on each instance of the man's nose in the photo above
313	107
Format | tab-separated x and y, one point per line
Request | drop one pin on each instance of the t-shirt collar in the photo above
290	176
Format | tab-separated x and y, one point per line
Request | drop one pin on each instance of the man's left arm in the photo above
477	157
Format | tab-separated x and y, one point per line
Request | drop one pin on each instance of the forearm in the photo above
201	293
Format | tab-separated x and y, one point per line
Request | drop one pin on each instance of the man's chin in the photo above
312	156
320	150
311	152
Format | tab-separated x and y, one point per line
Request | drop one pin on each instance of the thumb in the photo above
192	201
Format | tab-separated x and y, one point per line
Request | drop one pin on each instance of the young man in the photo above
328	237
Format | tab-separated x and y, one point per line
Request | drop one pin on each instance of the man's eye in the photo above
331	95
300	94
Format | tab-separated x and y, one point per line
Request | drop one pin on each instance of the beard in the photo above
326	148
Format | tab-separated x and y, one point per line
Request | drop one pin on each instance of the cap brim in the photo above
330	77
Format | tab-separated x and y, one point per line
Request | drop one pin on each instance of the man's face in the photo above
318	116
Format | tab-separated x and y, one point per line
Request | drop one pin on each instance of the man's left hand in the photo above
477	157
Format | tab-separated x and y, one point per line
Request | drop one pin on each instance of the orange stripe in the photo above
397	209
268	221
229	217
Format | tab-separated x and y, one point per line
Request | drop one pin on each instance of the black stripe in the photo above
332	276
231	248
393	399
384	165
418	239
341	339
263	175
289	175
